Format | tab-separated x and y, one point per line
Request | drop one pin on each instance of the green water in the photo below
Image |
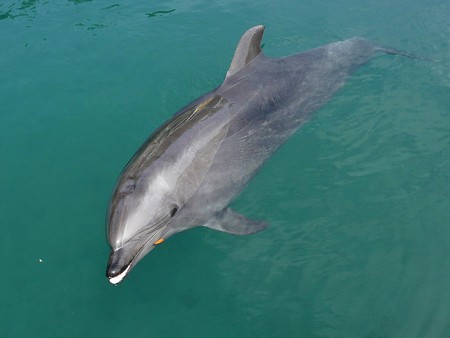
358	200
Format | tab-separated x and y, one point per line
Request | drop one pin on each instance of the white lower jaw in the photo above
117	279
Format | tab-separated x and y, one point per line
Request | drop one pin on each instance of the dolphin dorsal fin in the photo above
247	49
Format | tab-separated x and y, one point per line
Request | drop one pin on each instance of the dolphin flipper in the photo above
229	221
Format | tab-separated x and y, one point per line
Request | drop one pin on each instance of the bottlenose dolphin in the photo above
191	168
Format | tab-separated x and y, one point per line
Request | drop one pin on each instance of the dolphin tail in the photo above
402	53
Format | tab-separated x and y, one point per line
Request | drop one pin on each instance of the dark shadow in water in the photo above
29	5
160	13
27	8
79	1
112	6
7	15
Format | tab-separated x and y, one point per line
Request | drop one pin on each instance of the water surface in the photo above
358	200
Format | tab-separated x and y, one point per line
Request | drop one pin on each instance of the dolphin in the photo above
189	170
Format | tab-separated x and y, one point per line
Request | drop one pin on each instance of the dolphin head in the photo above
139	216
148	204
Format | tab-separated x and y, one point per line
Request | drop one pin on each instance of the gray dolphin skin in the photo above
191	168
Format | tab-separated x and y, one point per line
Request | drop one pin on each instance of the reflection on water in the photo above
17	9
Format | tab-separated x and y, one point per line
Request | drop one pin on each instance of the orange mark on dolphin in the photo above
159	241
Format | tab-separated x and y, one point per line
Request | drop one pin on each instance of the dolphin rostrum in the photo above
191	168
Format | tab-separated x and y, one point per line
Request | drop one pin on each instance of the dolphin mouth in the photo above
120	263
123	259
116	279
116	270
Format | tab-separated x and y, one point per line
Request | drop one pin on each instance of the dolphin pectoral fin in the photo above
229	221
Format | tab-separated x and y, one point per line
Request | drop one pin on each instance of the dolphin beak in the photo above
116	277
122	260
119	265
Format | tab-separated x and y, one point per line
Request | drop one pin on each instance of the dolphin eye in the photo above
128	188
173	211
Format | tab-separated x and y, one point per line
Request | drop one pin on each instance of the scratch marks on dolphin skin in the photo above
203	105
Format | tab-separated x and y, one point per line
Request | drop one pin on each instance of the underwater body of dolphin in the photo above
187	173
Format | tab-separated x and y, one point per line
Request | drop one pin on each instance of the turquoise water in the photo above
358	200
